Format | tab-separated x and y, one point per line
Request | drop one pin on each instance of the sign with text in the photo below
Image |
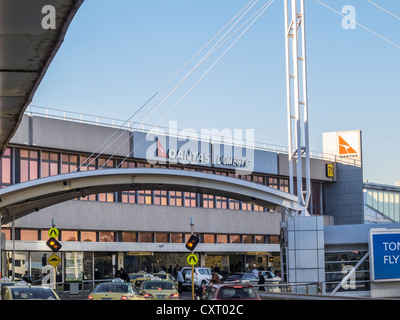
384	247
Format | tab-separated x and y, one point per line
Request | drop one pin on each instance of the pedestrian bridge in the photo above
24	198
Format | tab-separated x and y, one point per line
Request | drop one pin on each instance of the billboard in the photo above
384	248
343	144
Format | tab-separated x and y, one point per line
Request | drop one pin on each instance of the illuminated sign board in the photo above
384	248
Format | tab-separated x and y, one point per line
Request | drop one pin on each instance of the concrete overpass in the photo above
24	198
27	49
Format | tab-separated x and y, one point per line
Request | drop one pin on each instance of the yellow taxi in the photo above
159	290
115	291
166	276
137	278
28	292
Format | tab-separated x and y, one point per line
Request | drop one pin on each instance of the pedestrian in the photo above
261	280
27	277
123	275
179	278
214	277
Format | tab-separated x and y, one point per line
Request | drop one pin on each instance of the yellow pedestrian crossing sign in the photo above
54	232
54	260
192	259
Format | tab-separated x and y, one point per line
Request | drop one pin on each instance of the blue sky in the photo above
118	53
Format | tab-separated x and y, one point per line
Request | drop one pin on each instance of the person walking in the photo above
179	278
261	280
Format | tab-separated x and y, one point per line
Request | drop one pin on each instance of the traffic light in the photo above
53	244
192	242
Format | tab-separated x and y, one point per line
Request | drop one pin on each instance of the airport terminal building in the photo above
147	229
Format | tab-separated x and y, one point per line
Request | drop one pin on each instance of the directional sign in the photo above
54	232
192	259
54	260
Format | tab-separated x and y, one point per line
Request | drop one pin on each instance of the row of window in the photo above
146	237
33	164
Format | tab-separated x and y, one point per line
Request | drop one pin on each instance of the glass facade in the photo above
383	199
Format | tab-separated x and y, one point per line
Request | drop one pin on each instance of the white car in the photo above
201	276
269	277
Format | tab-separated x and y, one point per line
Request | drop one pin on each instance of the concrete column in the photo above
305	249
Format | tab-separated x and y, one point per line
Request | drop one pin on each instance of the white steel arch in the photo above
21	199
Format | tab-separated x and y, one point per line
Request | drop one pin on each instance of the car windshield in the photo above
32	293
205	271
157	285
236	293
233	277
162	276
112	287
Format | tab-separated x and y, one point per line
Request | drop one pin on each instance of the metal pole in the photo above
192	232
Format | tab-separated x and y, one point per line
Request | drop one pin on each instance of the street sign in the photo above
384	247
54	260
54	232
192	259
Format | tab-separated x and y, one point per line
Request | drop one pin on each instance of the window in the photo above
146	237
145	197
209	238
29	235
222	238
175	198
29	164
247	238
106	163
67	235
129	237
235	238
221	202
88	164
106	236
162	237
88	236
284	185
69	163
5	168
234	204
160	197
49	165
208	201
273	183
190	199
176	238
247	206
260	239
128	196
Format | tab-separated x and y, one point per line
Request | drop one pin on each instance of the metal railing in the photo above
53	113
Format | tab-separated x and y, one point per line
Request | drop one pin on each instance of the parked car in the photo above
159	290
231	291
241	277
28	292
201	276
270	277
115	291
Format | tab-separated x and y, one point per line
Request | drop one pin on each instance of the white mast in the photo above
297	103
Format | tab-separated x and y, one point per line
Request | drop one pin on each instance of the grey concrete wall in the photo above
68	135
90	215
344	199
317	166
